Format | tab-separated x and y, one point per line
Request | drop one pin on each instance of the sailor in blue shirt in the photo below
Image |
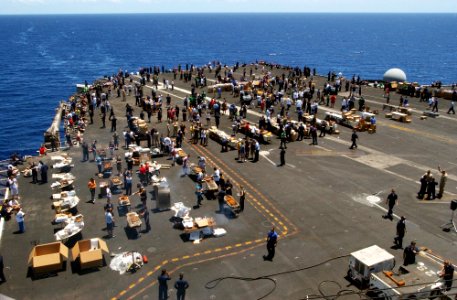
272	241
163	285
181	285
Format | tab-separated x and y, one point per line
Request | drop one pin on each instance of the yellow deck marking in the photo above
258	241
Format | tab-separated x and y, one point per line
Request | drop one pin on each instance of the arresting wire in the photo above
342	292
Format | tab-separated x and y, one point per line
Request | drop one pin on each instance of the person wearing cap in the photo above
409	254
181	286
401	230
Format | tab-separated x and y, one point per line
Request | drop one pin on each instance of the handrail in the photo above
53	130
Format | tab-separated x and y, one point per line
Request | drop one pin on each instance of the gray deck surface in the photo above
317	203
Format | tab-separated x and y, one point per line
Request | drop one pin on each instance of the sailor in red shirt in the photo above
43	150
143	174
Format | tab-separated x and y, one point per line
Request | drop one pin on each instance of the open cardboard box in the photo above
48	258
89	252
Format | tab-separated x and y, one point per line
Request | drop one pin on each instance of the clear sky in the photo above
192	6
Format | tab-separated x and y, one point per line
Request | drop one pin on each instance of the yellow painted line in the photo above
141	279
241	179
154	282
258	241
265	210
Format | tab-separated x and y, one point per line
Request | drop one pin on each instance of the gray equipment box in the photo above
162	196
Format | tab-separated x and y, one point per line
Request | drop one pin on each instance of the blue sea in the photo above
43	57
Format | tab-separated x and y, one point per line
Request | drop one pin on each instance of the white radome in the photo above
395	74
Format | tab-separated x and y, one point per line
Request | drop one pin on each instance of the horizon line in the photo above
215	12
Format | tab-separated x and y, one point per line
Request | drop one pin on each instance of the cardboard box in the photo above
89	252
133	220
48	258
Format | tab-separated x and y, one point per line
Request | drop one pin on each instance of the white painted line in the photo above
160	84
397	159
384	209
2	224
272	162
323	148
347	143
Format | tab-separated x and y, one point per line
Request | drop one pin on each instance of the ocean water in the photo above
43	57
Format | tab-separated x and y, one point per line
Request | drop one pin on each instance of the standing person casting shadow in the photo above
272	242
